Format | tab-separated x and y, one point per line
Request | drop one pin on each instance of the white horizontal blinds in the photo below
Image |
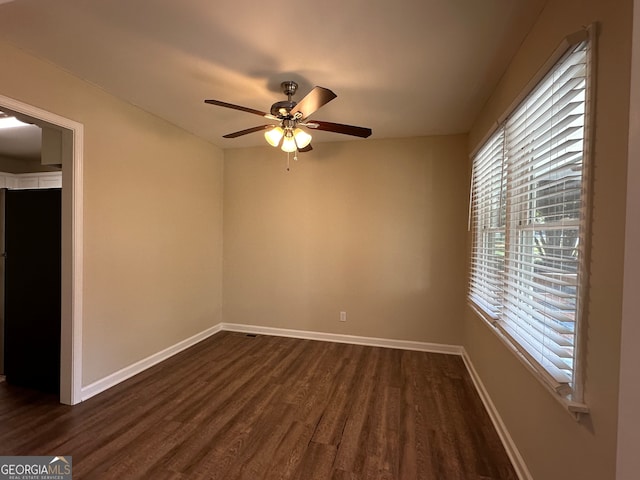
487	208
544	145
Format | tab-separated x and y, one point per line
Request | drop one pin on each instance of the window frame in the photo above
572	400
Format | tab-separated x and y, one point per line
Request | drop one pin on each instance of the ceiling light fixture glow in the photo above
302	138
288	143
11	122
274	136
289	138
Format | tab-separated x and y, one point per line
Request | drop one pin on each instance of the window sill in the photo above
575	409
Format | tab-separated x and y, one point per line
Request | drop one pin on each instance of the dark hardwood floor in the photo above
241	407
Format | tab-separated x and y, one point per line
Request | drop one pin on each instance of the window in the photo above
528	219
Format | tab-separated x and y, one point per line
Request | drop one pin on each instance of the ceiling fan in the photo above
288	116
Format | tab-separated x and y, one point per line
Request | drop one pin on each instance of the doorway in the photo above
31	227
70	371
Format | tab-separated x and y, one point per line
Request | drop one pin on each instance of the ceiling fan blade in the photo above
246	131
312	101
238	107
308	148
340	128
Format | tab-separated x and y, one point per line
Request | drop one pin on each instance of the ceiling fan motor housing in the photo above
282	109
289	88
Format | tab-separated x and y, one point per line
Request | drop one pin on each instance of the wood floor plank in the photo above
350	452
317	463
265	408
330	427
288	454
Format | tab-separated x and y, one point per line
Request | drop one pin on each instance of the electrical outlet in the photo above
343	316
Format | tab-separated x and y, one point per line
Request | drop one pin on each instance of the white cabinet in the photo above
17	181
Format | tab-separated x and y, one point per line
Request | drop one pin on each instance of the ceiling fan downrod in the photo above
289	88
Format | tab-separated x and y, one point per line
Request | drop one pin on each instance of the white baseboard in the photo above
138	367
512	451
341	338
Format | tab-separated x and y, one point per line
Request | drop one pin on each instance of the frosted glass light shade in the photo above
301	137
274	136
288	144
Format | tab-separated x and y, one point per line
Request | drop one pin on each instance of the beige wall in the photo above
152	219
375	228
628	460
554	446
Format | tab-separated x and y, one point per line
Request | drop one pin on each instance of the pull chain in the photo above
295	159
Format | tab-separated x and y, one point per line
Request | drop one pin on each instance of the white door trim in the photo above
72	251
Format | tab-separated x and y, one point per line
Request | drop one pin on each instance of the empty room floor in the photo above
260	407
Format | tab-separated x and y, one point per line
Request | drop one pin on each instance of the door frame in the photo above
72	248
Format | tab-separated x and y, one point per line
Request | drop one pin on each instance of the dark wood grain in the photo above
240	407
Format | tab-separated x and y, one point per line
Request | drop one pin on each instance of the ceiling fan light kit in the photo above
302	138
274	136
288	144
290	116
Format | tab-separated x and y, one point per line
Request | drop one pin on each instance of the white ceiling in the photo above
403	68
